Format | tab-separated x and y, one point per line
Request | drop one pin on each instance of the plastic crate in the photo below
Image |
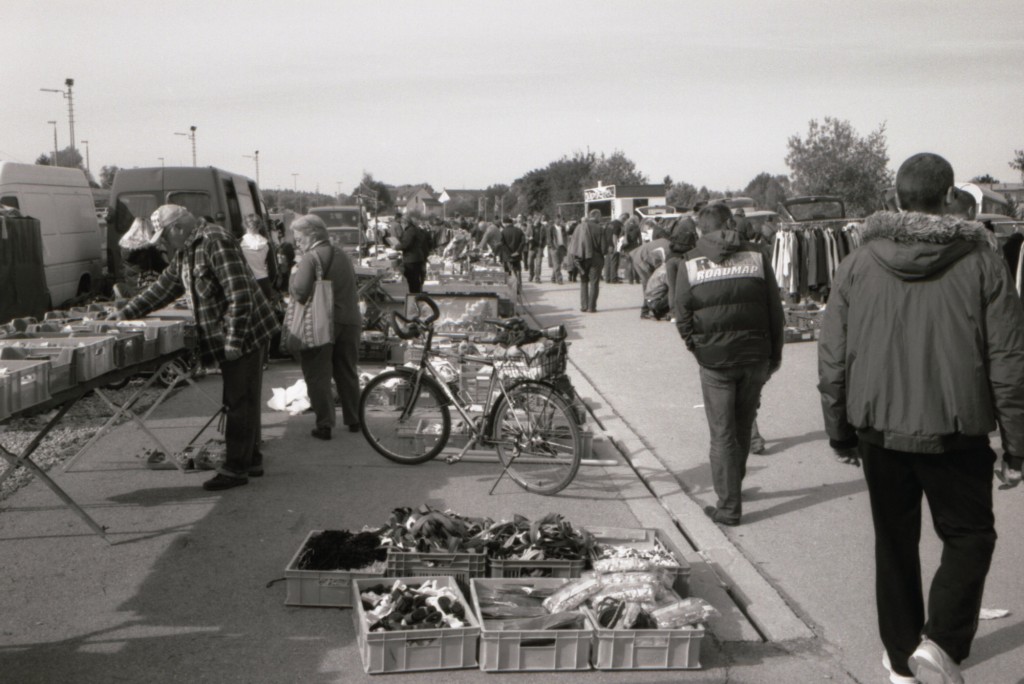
531	650
27	383
62	364
419	649
128	344
5	398
647	538
461	565
647	649
94	356
555	567
321	588
170	334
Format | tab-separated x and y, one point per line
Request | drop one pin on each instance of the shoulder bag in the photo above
310	325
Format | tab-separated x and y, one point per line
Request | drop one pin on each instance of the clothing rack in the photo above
805	257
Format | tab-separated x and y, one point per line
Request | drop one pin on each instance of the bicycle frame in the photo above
478	429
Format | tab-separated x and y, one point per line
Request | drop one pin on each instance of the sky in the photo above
466	94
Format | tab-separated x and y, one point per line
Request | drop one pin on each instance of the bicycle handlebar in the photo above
413	326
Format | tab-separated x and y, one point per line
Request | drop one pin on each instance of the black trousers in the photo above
339	362
958	486
415	274
242	397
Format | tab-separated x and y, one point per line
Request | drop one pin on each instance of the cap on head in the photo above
167	215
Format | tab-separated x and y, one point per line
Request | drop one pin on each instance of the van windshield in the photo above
197	203
132	206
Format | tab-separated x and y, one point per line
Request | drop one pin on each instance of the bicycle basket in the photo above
548	363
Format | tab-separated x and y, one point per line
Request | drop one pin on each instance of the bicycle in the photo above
406	417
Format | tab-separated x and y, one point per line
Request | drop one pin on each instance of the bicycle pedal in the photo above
452	458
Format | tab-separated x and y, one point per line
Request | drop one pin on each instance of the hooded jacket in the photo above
922	342
727	303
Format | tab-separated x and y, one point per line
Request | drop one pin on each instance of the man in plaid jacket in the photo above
234	321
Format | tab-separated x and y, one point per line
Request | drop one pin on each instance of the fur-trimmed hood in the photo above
913	245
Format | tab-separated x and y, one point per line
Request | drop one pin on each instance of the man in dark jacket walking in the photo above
415	244
729	312
587	249
512	247
921	357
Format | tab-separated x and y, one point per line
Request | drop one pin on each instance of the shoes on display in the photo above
321	433
895	677
712	513
221	481
932	665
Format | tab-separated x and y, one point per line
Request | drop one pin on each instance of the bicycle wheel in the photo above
536	437
400	425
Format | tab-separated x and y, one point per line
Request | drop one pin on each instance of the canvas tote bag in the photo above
310	325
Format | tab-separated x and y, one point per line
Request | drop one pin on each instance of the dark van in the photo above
205	191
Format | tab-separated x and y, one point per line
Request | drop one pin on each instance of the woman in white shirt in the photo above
258	254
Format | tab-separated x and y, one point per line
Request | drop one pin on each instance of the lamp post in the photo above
255	156
295	189
161	162
88	167
71	105
54	160
191	135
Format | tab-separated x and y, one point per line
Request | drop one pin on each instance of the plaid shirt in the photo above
231	311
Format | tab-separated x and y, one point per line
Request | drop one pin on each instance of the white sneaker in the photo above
895	677
931	665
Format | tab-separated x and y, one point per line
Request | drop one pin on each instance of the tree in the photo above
835	160
682	195
1018	162
615	169
68	157
985	178
107	174
767	190
369	186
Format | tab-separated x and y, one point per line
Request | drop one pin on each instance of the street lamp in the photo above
88	167
191	135
71	105
54	142
295	189
256	158
161	162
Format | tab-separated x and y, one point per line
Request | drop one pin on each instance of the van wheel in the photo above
84	286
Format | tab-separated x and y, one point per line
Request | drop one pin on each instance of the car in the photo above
813	208
345	226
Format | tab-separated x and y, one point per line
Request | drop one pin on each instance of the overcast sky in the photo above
467	94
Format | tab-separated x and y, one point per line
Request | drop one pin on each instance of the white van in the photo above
61	199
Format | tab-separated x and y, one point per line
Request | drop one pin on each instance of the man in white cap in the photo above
234	322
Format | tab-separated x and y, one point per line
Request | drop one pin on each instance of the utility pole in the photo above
54	160
255	156
88	167
71	105
191	135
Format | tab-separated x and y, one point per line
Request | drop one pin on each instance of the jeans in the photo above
958	486
590	283
611	267
627	266
337	361
731	396
558	255
243	403
536	263
671	273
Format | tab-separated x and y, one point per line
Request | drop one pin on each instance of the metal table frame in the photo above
168	364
